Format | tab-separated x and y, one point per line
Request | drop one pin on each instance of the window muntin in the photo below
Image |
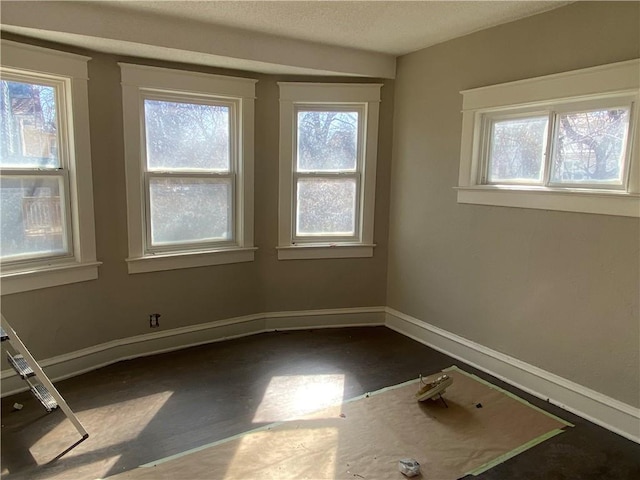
189	172
327	172
35	208
566	146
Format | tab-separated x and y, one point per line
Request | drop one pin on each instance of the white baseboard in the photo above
596	407
81	361
589	404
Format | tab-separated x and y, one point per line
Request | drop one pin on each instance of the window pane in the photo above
29	126
327	140
187	210
517	150
32	217
186	136
590	147
326	207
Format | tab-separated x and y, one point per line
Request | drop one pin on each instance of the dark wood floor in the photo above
149	408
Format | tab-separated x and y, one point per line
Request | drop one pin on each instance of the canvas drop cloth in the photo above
365	437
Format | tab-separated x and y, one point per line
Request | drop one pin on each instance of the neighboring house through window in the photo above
47	225
328	151
189	157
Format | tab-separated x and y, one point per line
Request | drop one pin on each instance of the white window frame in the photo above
68	74
140	82
364	98
591	88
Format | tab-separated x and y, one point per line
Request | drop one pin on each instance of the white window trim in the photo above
590	84
137	79
327	94
82	264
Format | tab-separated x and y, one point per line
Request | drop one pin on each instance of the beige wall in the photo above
63	319
558	290
309	284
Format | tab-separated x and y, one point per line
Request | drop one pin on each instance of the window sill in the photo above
35	278
599	202
177	261
312	251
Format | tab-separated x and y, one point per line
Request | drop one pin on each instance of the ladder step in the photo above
40	385
42	394
3	335
20	365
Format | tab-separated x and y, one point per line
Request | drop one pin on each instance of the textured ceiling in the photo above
391	27
352	38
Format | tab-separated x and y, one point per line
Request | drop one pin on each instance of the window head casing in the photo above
189	157
328	153
48	235
562	142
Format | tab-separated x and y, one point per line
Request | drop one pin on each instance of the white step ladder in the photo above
39	384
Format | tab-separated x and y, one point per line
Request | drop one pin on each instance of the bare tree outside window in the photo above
590	146
327	160
517	150
187	210
182	139
327	140
326	206
186	136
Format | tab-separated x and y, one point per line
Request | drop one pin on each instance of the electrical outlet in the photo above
154	320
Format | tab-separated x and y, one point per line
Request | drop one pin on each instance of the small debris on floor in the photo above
478	405
17	406
409	467
342	415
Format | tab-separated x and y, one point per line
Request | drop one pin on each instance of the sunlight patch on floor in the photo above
292	396
107	425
